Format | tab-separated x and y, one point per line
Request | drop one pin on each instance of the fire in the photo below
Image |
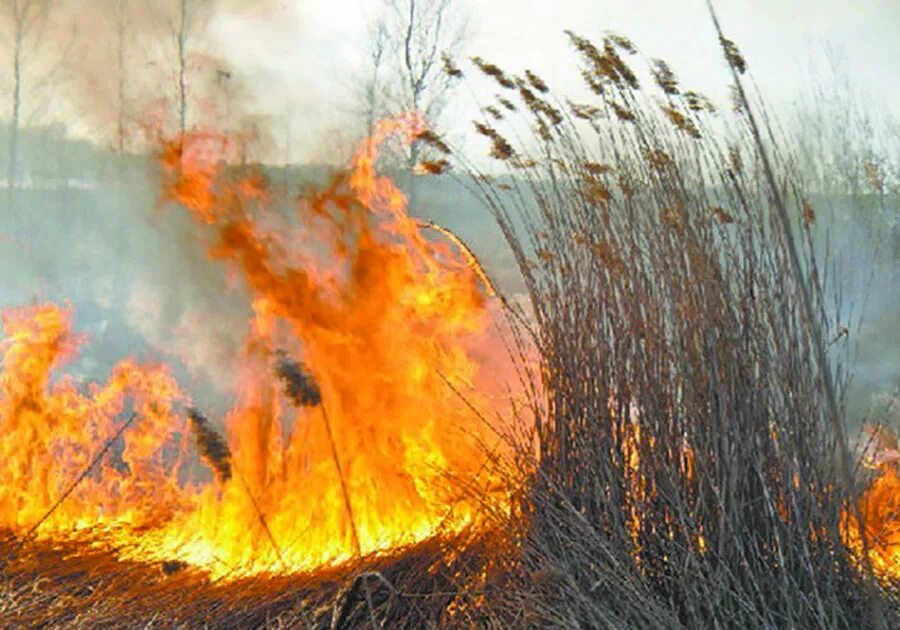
50	430
388	332
879	508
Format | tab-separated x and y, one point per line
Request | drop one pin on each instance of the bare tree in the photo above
428	28
28	19
407	41
183	19
122	24
374	93
181	42
368	93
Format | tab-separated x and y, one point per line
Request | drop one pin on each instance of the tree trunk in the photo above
12	166
120	128
182	62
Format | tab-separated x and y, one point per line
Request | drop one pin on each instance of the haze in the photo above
304	56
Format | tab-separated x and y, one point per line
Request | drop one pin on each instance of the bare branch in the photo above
407	41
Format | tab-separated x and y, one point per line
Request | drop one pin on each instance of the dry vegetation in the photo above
693	468
70	585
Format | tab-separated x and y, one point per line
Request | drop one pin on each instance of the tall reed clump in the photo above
692	467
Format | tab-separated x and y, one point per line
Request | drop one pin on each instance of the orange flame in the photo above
879	507
383	319
49	431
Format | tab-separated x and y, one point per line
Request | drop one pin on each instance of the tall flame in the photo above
878	507
388	328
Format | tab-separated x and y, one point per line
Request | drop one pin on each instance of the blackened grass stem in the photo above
261	516
344	490
99	456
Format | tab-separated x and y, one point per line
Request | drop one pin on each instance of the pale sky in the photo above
302	57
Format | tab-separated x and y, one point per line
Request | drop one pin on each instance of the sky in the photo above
302	55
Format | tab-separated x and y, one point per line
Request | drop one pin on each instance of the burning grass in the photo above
693	467
687	466
363	447
67	584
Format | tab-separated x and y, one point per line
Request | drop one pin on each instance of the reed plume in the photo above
299	385
212	448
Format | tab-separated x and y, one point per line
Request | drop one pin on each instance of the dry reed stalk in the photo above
738	67
215	452
212	448
303	391
688	423
96	460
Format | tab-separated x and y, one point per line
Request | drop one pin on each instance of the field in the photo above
602	380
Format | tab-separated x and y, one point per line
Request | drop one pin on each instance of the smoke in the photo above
134	270
109	70
865	283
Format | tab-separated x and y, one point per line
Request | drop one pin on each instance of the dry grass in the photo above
691	468
71	585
